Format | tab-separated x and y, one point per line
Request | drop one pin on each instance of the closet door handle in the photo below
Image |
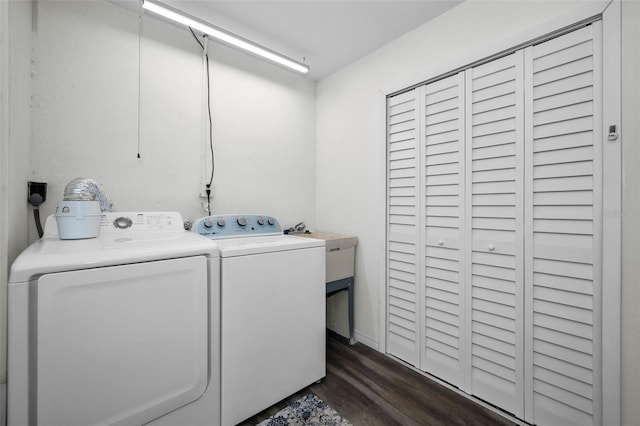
492	247
440	242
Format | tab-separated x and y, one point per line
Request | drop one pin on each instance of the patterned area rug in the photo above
308	410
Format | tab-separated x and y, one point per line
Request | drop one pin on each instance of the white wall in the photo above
15	147
350	124
350	145
83	121
630	212
4	159
85	117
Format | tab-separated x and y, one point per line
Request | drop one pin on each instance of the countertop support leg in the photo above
338	286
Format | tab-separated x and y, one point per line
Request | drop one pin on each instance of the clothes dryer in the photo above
119	329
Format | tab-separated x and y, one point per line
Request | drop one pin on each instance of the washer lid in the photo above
247	246
50	254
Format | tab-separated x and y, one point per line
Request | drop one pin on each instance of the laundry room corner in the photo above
484	162
15	97
127	107
88	89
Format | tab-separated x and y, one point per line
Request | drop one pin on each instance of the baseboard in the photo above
366	340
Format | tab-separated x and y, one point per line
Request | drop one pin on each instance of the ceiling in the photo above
326	34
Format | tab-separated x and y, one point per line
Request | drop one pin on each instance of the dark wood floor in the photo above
369	388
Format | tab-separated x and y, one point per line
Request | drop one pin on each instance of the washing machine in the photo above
273	312
119	329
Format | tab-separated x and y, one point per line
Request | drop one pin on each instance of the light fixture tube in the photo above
222	35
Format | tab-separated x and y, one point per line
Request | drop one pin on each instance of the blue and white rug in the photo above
308	410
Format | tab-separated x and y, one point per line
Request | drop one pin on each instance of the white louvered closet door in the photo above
563	234
403	228
494	230
494	240
444	219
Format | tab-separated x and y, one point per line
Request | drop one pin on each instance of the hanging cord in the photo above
204	48
140	11
36	217
36	201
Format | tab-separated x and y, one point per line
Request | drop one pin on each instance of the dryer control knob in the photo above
207	223
242	221
221	223
121	222
260	221
270	221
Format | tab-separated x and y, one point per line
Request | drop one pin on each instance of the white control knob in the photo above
242	221
221	223
492	247
207	223
260	221
120	223
270	221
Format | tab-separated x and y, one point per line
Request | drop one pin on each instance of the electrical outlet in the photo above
37	189
202	189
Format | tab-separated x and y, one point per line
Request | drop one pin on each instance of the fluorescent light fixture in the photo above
223	35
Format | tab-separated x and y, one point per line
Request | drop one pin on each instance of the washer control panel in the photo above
234	225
